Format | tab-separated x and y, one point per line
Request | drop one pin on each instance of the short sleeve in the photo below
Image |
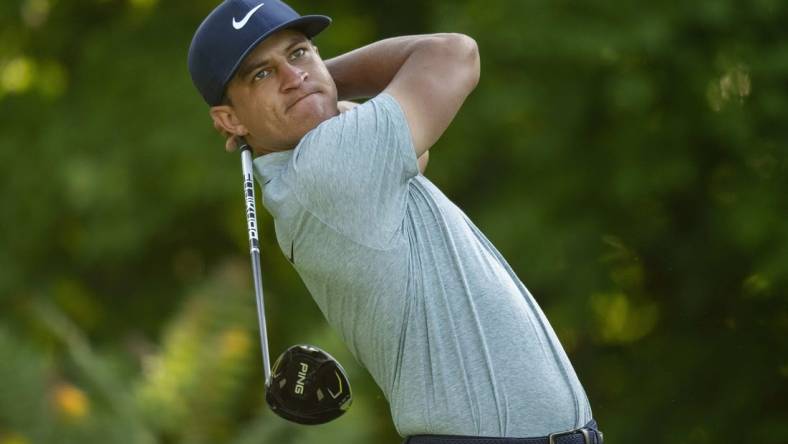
352	171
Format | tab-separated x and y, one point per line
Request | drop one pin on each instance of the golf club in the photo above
308	386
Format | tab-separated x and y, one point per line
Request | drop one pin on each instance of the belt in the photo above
584	435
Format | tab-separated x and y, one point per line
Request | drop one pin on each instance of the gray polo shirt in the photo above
420	296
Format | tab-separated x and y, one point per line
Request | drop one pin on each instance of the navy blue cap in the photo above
231	31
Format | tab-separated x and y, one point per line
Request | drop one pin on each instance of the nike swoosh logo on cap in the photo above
242	23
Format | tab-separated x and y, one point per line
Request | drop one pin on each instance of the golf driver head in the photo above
308	386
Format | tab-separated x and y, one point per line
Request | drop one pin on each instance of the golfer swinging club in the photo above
419	295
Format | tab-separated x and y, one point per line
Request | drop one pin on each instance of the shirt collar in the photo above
269	166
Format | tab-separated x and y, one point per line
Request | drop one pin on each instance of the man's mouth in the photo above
300	99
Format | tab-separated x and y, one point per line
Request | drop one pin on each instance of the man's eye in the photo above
297	53
262	74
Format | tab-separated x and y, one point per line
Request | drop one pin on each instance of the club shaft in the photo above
254	251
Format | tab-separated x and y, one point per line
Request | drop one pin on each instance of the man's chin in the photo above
311	116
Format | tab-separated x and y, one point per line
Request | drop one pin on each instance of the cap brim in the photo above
310	25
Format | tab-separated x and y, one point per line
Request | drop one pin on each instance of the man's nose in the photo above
292	76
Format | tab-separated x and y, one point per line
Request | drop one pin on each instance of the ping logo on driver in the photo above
242	23
299	387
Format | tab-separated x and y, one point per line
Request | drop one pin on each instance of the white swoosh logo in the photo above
242	23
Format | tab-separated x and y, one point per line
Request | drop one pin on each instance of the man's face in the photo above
281	91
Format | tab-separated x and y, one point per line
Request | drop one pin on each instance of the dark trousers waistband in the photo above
589	434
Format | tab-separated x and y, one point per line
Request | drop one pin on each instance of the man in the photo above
420	296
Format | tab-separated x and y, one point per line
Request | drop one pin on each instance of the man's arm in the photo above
429	75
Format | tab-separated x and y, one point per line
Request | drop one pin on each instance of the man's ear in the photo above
225	119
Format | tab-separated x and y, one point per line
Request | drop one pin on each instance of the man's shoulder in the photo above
367	130
381	107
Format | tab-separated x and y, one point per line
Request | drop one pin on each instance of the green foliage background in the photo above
628	158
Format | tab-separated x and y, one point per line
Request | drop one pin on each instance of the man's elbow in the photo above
465	51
